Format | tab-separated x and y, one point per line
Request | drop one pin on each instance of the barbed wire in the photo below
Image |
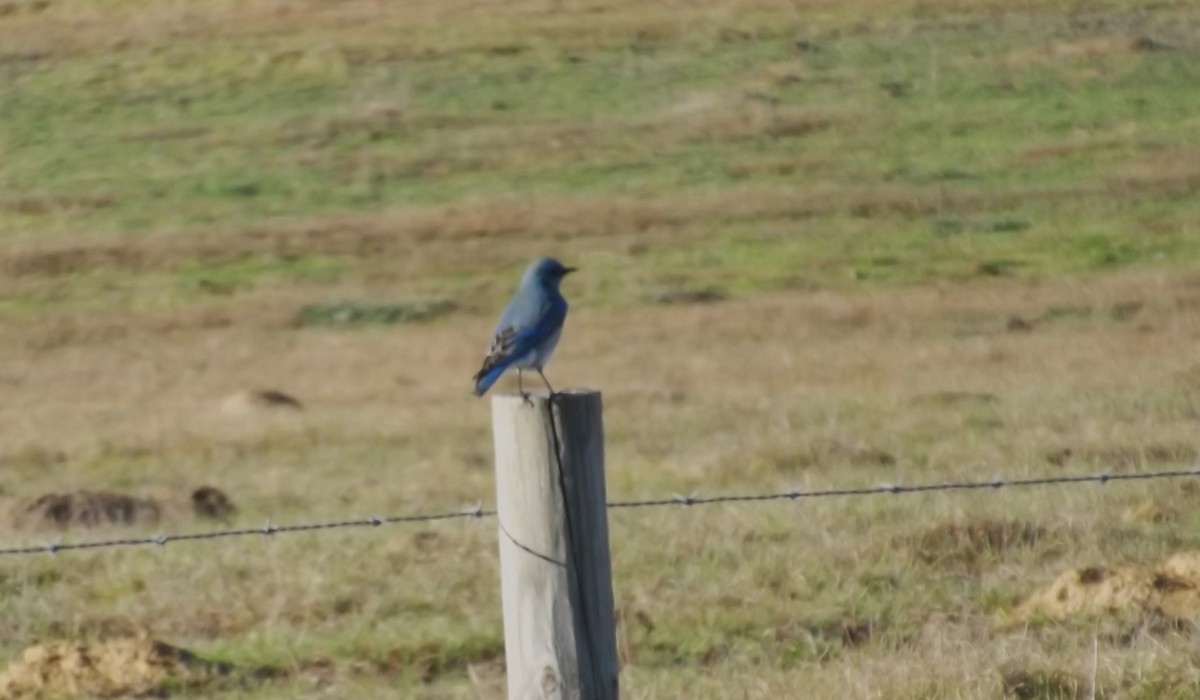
991	484
267	530
477	511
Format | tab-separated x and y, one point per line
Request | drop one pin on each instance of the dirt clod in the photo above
1016	324
87	509
210	502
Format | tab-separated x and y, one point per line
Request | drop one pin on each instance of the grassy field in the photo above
822	244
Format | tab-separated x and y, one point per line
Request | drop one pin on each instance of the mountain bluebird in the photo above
529	328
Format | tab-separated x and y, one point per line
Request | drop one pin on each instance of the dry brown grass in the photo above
114	381
82	25
837	391
811	343
365	30
1081	50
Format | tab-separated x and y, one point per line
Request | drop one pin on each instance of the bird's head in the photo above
545	272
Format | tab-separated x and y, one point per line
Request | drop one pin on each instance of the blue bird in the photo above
530	327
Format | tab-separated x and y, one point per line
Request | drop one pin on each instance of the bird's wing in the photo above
500	351
522	327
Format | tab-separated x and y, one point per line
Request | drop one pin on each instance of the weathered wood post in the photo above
556	577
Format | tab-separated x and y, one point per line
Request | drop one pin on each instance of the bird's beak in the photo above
569	270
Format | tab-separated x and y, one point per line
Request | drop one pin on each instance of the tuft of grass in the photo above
372	314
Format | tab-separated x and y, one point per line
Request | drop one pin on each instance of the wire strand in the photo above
477	511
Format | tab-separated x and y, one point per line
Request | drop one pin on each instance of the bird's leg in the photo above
521	388
543	376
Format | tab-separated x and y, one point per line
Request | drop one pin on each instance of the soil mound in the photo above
91	509
211	502
87	509
131	667
1170	588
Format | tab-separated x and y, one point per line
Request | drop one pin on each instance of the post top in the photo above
573	395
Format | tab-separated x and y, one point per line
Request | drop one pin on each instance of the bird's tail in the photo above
486	378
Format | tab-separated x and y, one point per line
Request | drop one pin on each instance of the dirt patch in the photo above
210	502
259	400
87	509
1170	588
61	261
1176	169
1051	151
36	456
45	205
136	666
777	123
1016	324
688	295
775	167
950	399
91	509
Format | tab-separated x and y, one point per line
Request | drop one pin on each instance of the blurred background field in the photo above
259	246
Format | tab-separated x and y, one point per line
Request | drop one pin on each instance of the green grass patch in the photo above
230	277
355	313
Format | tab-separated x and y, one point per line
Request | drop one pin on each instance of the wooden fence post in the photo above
555	573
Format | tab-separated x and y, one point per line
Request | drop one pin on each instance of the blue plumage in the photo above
530	326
